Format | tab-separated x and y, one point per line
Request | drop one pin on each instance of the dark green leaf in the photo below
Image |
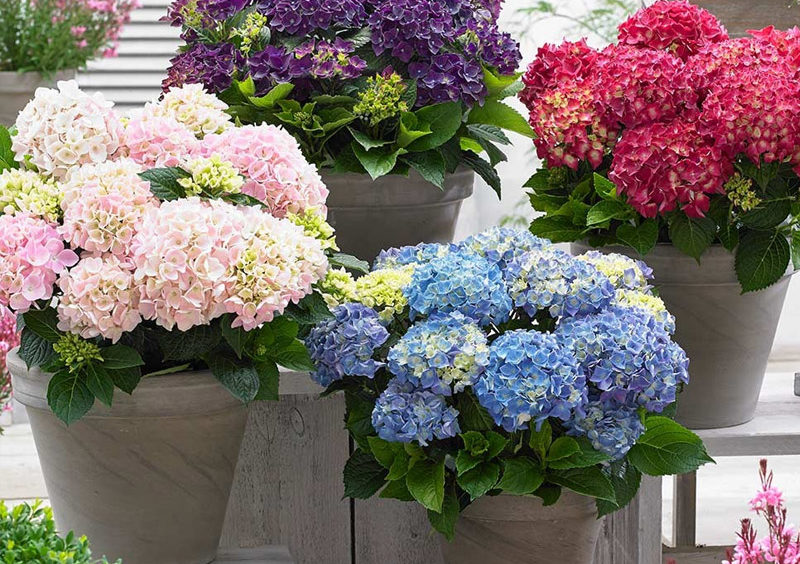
586	481
429	164
294	356
244	200
359	418
100	383
363	475
497	443
642	238
768	214
240	379
466	461
425	481
377	162
692	235
479	480
383	451
341	260
540	181
445	520
126	379
549	493
484	169
474	416
443	120
500	114
68	396
762	259
396	489
563	447
489	133
625	479
556	228
235	337
182	346
521	476
35	350
667	448
43	322
796	249
116	357
311	310
164	182
269	380
6	154
607	210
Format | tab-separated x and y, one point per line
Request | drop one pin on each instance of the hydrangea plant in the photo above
165	241
504	365
377	87
675	134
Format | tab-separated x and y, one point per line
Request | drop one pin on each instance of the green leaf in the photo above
667	448
410	130
475	443
268	379
607	210
692	235
626	479
769	213
311	310
247	86
43	322
489	133
430	165
241	380
479	480
294	356
183	346
541	440
549	493
68	396
497	443
556	228
642	237
495	83
484	169
563	447
341	260
100	383
35	350
466	461
366	141
540	181
382	450
117	357
762	259
474	416
720	212
358	418
445	520
277	93
126	379
586	481
587	456
235	337
425	481
377	162
169	370
796	249
363	475
244	200
521	476
6	154
164	182
500	114
442	119
604	187
396	489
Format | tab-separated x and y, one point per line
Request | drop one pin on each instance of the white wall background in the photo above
147	45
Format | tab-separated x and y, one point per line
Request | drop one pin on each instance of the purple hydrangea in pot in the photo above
506	386
391	99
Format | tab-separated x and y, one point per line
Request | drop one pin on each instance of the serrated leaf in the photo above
540	181
474	416
762	258
164	182
182	346
484	169
587	456
667	448
377	162
692	235
43	322
277	93
35	350
239	379
563	447
489	133
349	262
68	396
7	159
100	383
382	451
480	479
311	310
445	520
607	210
641	238
363	475
235	337
556	228
541	440
604	187
586	481
294	356
496	83
396	489
443	120
625	479
429	164
500	114
366	141
244	200
118	356
521	476
126	379
425	481
268	380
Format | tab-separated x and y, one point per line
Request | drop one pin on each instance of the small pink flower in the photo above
155	141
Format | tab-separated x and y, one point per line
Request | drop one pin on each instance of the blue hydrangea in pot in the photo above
507	387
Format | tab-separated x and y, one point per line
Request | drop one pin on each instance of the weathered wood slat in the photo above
389	531
699	555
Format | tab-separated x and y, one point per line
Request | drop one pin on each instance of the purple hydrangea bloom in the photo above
211	65
344	344
485	41
406	27
206	13
448	77
530	377
301	17
612	430
274	65
404	414
328	60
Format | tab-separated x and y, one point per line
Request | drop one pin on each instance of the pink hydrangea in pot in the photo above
679	144
162	267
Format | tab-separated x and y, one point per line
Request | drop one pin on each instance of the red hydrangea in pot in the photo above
161	266
680	145
507	387
391	99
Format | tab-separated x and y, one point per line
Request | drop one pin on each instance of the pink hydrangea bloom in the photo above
99	298
556	64
104	206
786	42
278	265
156	141
672	25
32	255
275	169
663	166
64	128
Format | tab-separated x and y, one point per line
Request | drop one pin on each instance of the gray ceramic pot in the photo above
147	480
17	89
727	335
508	529
371	215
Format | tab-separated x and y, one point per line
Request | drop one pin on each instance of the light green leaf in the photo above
442	119
500	114
541	440
377	162
410	130
118	356
366	141
445	520
605	188
556	228
278	92
7	159
521	476
796	249
607	210
667	448
425	481
563	447
294	357
586	481
479	480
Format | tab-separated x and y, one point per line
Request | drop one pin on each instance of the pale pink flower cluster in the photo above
156	141
32	255
200	112
273	165
104	206
64	128
99	298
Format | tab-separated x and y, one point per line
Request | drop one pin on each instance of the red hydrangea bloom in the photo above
672	25
786	42
663	166
636	86
568	127
554	65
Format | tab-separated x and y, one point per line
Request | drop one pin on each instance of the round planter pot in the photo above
509	529
17	89
147	480
727	335
393	211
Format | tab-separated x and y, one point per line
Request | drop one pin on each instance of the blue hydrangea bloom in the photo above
405	414
501	245
611	430
416	254
443	354
628	356
550	279
623	272
530	377
344	344
463	282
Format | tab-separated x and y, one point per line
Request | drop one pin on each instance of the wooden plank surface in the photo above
741	15
698	555
263	555
389	531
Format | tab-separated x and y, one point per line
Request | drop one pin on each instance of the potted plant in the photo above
679	144
46	40
28	535
513	390
170	256
387	98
